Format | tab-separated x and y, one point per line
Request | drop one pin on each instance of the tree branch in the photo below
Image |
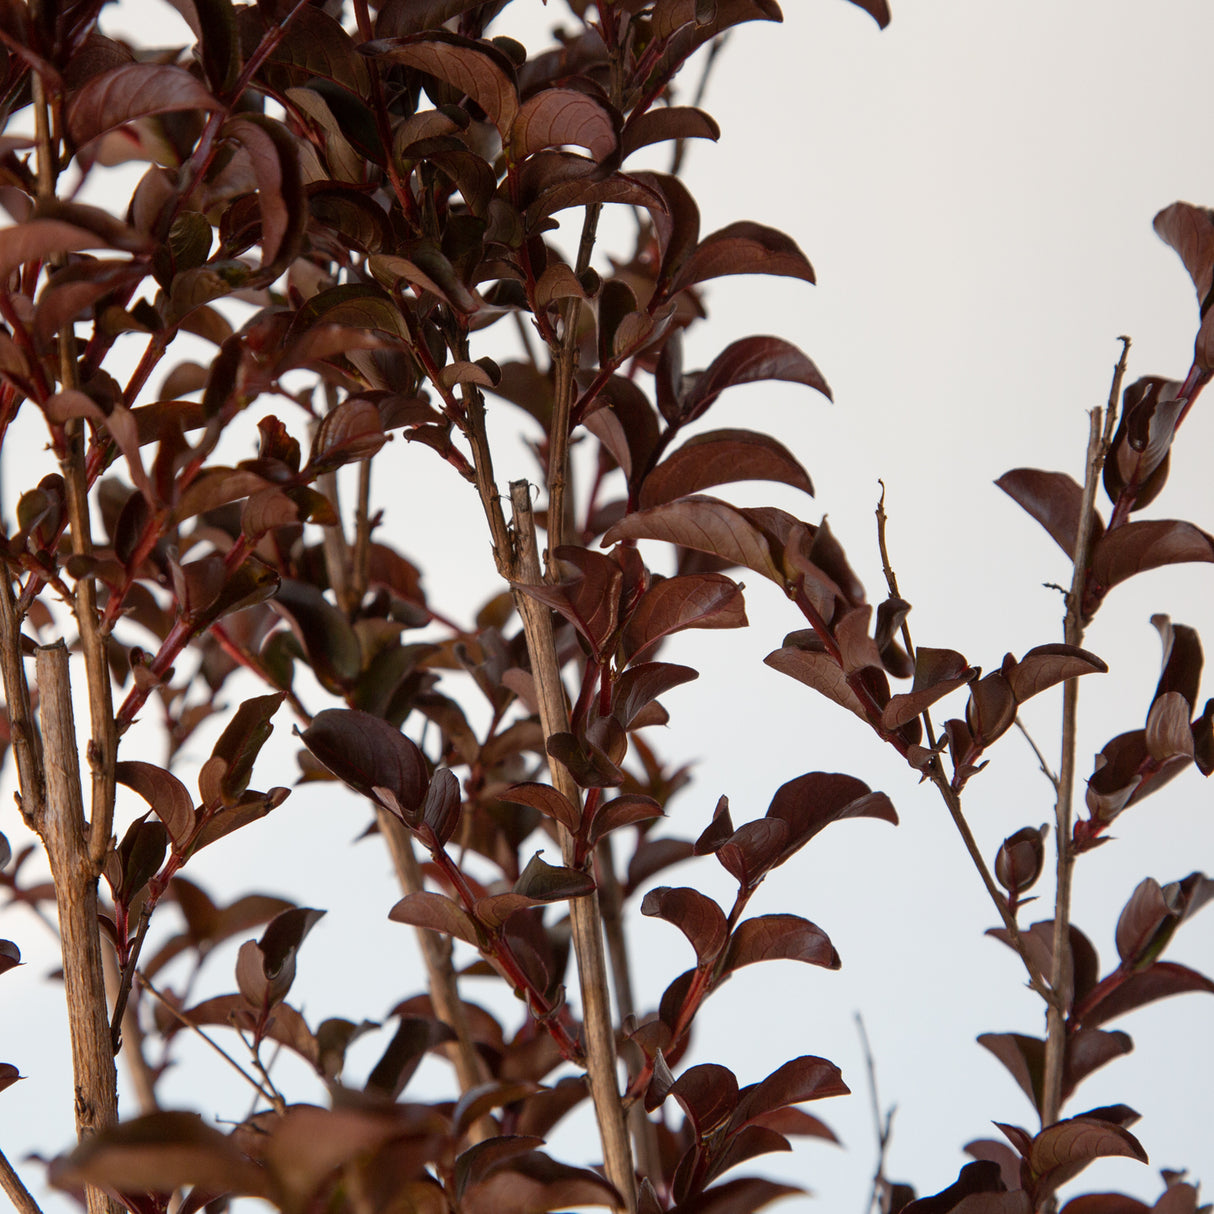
67	847
1100	435
584	913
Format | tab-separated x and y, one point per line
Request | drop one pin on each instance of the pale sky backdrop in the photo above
975	188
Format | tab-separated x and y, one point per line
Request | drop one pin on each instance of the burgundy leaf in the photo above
878	10
1023	1057
705	524
1089	1049
742	1196
978	1189
1105	1203
1053	499
542	882
722	457
1061	1151
555	117
937	672
775	937
696	915
1139	546
744	248
460	63
708	1094
436	912
132	91
667	122
812	801
164	792
697	600
1190	231
641	684
1157	981
751	360
626	810
1137	465
804	1078
1020	859
1046	665
161	1151
547	800
817	669
368	754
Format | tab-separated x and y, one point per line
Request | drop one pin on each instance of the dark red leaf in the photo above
1046	665
776	937
542	882
696	915
1139	546
164	792
978	1189
460	63
1061	1151
804	1078
812	801
667	122
937	672
708	1094
1053	499
878	10
722	457
161	1152
743	248
705	524
556	117
1157	981
132	91
436	912
697	600
641	684
751	360
367	753
1190	231
547	800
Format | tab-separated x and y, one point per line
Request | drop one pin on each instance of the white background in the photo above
975	188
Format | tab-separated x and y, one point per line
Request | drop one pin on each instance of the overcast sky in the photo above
975	188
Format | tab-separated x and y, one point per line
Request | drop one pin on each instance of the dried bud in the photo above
1020	859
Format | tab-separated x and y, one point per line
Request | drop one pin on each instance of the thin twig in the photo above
584	913
1046	770
435	948
952	799
1100	436
22	1199
882	1125
715	48
26	743
175	1011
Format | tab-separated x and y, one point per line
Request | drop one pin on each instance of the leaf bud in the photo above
1020	859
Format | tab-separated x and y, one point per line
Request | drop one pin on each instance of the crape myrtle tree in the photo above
345	207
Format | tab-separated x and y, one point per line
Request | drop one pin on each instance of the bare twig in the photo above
1046	770
178	1014
22	1199
67	847
470	1069
104	737
882	1125
584	913
952	799
1100	435
26	743
715	48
